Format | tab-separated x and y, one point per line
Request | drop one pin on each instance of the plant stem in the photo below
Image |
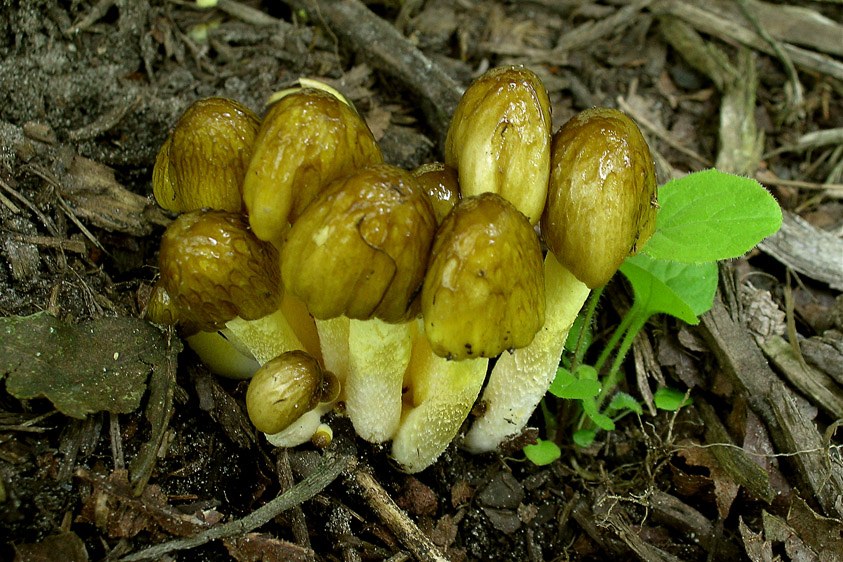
580	350
636	324
616	336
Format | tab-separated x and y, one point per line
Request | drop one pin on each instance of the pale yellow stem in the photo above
440	396
520	379
266	338
378	355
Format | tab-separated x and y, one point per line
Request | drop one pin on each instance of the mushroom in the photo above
601	207
499	138
219	277
203	161
440	183
287	387
308	138
483	293
484	288
359	251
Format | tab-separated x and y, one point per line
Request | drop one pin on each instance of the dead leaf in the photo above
113	507
97	197
823	535
757	548
100	365
725	489
67	547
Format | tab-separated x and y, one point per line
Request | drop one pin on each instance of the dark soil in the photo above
88	93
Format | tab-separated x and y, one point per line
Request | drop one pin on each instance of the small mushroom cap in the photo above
307	139
361	247
283	389
160	308
484	288
203	162
214	269
601	203
499	138
439	181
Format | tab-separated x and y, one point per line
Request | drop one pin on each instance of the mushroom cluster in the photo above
302	261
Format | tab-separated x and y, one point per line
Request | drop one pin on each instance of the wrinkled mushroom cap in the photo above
214	269
307	139
484	288
361	247
203	162
285	388
499	138
601	203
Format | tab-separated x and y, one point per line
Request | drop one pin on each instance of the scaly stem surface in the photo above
520	379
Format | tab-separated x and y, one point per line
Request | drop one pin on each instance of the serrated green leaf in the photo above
101	365
543	452
679	289
670	399
624	401
709	216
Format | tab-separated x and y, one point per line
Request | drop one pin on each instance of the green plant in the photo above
703	217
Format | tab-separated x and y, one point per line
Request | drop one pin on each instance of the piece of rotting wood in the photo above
792	429
734	460
813	383
398	522
385	49
714	24
808	250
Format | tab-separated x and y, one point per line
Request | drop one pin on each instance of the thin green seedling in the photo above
703	218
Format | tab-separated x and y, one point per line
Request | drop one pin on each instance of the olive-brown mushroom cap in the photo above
440	183
499	138
306	140
214	269
203	162
361	247
601	203
285	388
484	288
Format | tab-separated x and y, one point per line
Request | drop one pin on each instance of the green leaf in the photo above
589	406
543	452
81	368
679	289
566	385
709	216
584	437
670	399
623	401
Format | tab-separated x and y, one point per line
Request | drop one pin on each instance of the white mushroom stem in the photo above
265	338
333	341
378	355
441	394
520	379
238	350
217	351
301	430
